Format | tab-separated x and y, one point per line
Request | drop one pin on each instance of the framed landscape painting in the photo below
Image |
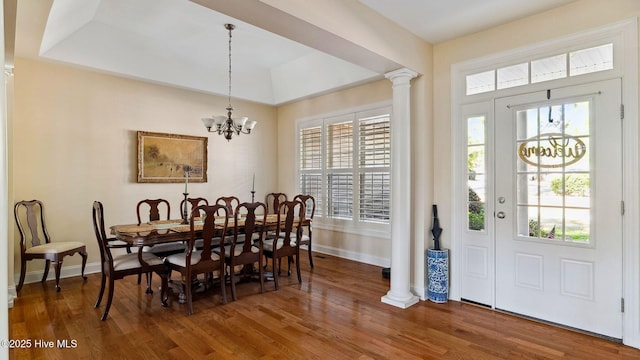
166	158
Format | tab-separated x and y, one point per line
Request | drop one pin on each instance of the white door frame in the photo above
625	38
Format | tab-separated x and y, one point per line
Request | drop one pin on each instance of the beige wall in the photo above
74	141
572	18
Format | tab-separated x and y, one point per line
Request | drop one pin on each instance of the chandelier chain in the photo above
230	27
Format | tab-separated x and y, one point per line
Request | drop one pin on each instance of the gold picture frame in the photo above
163	158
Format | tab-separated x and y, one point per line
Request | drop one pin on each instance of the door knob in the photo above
500	215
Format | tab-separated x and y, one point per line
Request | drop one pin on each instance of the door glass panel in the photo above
551	193
553	172
551	223
476	170
577	225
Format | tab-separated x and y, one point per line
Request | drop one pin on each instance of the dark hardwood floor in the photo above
335	313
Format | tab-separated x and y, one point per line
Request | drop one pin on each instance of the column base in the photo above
402	303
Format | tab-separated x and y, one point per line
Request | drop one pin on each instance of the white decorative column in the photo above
400	294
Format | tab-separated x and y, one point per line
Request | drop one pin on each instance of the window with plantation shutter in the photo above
339	142
345	163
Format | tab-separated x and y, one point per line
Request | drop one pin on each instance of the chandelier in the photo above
228	125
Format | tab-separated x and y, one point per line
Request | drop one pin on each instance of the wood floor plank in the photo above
336	313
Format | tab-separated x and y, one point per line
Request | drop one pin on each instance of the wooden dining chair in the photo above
117	267
154	207
229	202
247	243
31	214
204	261
306	229
285	245
273	201
194	202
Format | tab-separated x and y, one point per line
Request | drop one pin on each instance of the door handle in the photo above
500	215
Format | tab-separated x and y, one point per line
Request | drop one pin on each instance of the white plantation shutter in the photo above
340	196
340	146
310	141
311	148
375	196
339	170
375	142
375	162
311	184
345	163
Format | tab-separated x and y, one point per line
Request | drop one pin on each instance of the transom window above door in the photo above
574	63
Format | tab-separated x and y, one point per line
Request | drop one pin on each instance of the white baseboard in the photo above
65	272
421	291
12	294
350	255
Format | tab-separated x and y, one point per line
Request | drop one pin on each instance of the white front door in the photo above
558	201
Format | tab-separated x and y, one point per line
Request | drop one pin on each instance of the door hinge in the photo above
621	111
622	207
621	304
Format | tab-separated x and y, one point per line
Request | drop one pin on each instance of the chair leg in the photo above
232	280
289	261
47	264
149	290
23	270
223	285
298	267
103	281
139	278
84	263
261	274
273	269
109	299
57	265
279	266
164	292
186	283
309	253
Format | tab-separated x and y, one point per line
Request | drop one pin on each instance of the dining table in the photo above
175	230
165	231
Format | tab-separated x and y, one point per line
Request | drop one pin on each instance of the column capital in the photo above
399	74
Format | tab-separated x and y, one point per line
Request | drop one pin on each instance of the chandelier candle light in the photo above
229	125
185	215
253	189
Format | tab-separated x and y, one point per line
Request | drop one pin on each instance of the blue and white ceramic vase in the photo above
438	275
